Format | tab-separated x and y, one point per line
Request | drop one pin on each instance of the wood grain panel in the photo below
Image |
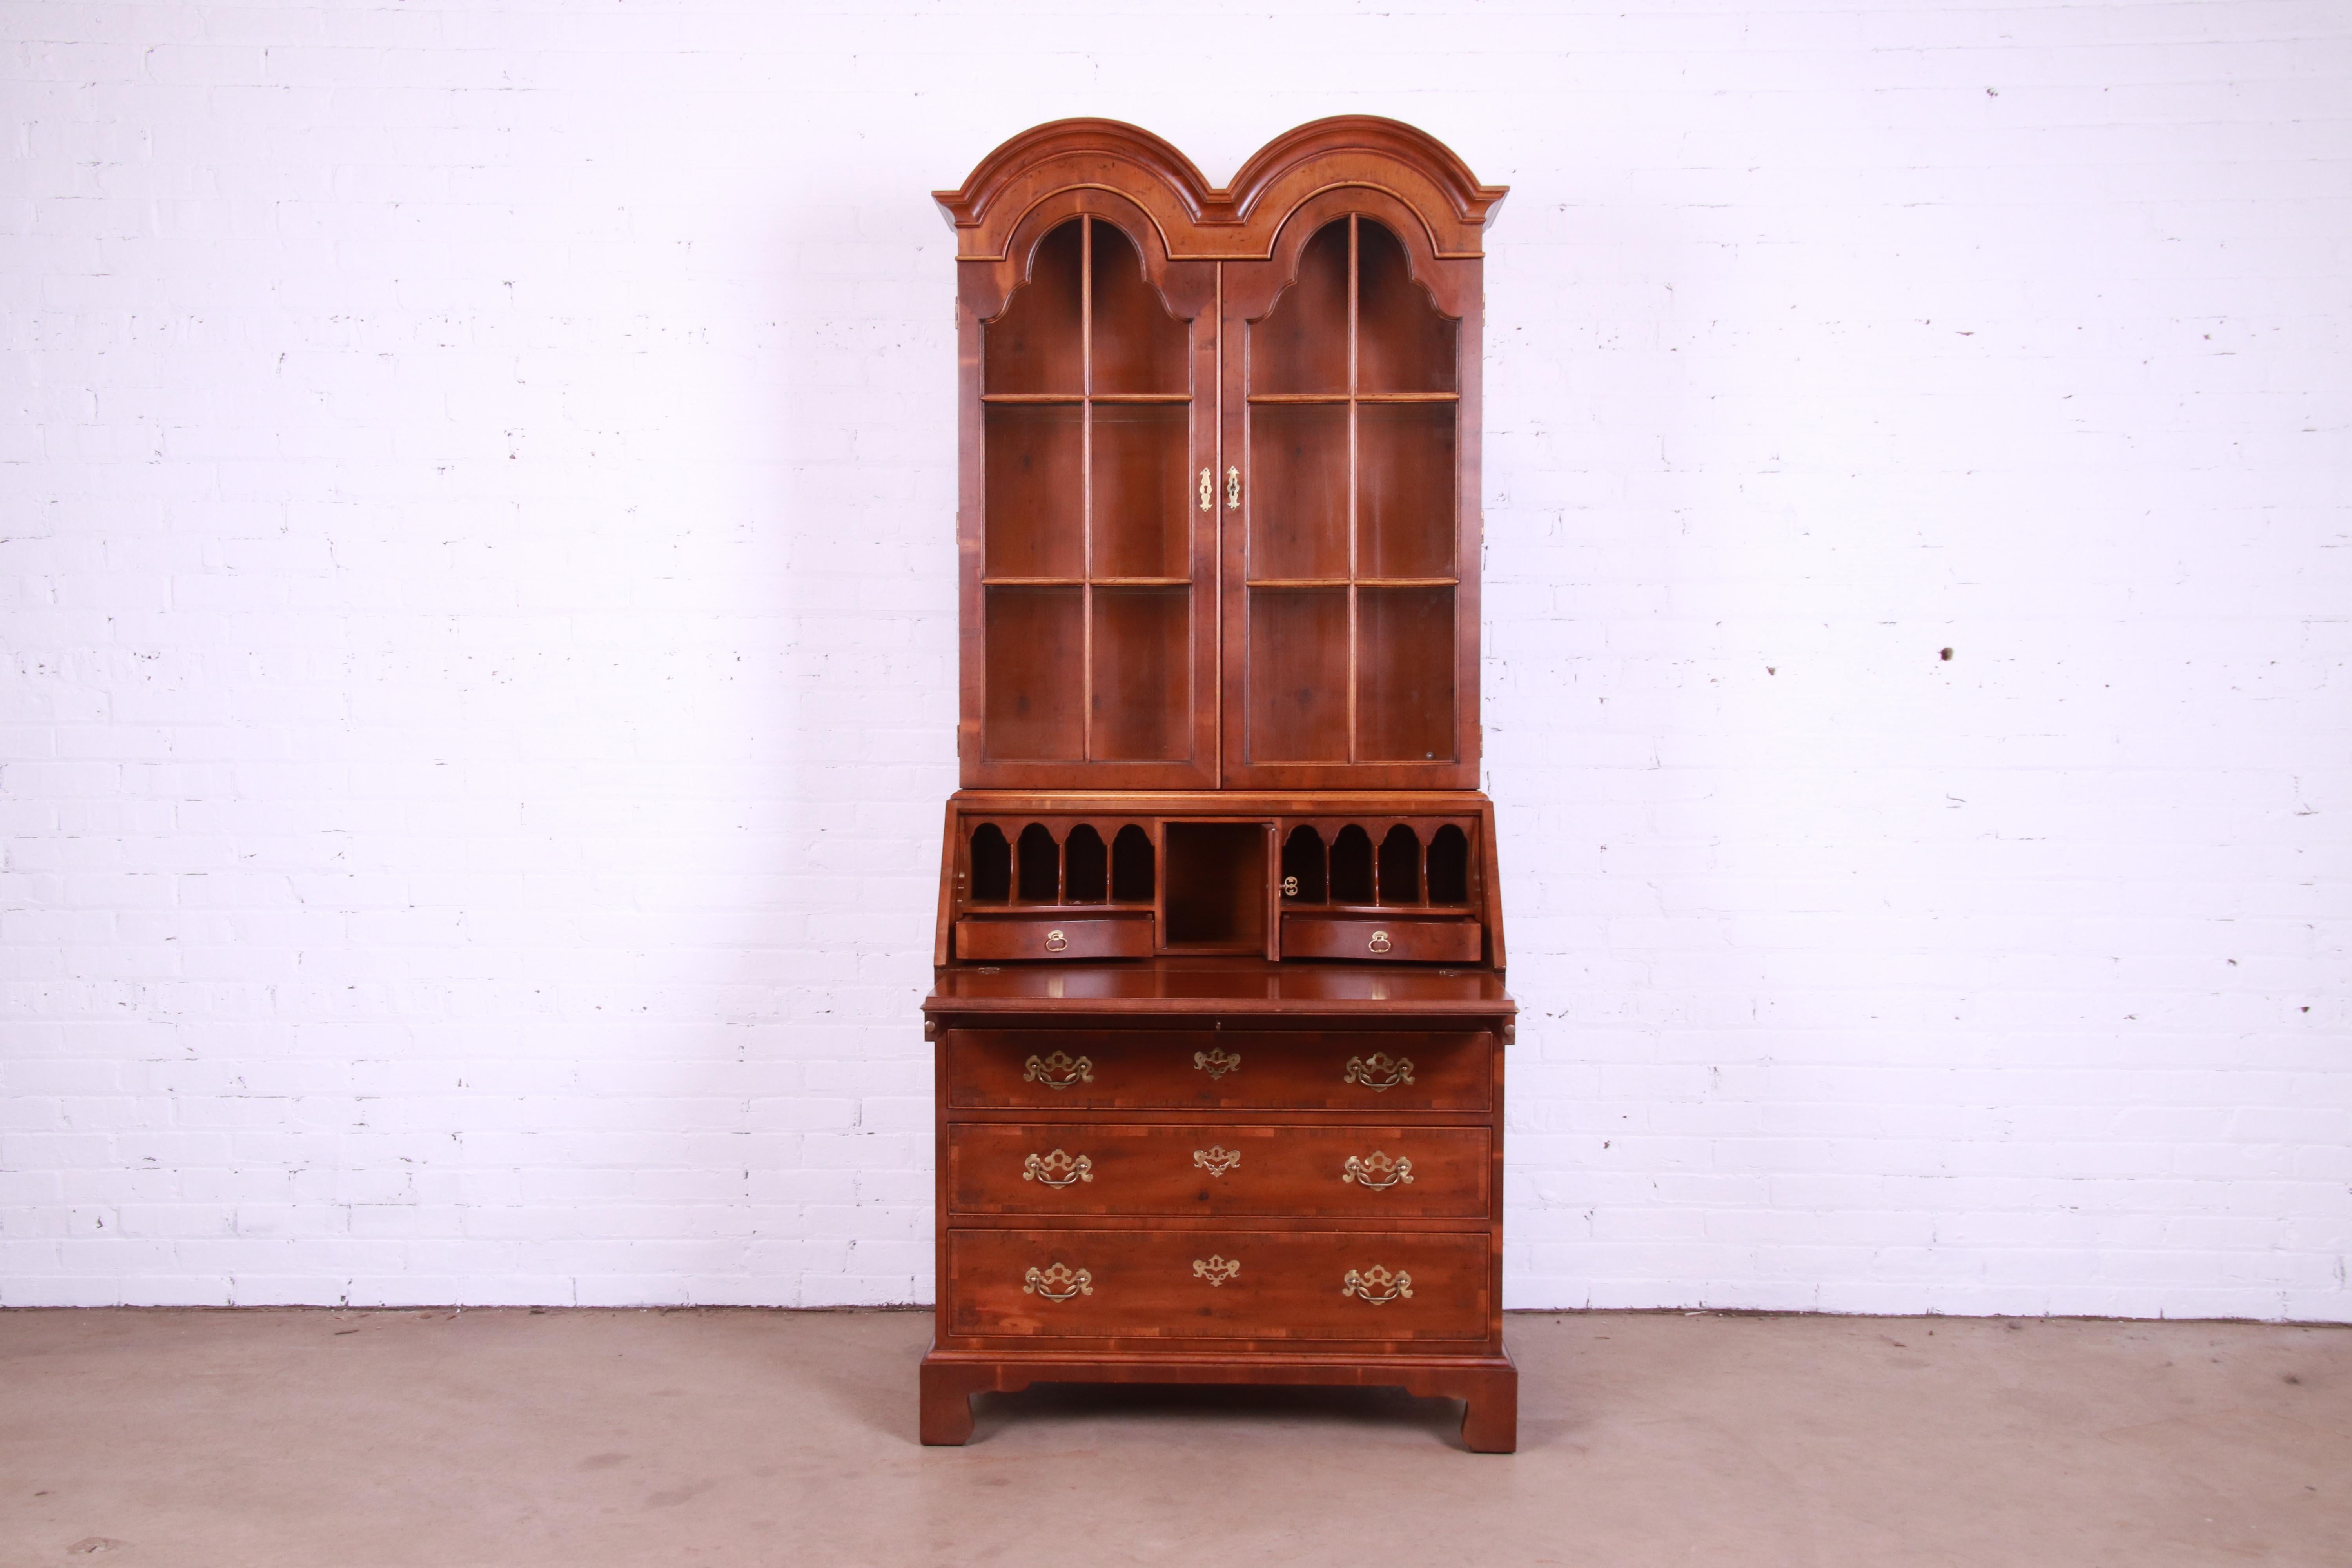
1289	1285
1218	1169
1305	1069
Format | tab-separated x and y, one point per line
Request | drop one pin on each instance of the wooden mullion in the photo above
1354	487
1087	486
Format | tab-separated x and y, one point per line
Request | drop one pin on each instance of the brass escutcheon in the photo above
1376	1285
1233	489
1216	1160
1058	1283
1208	490
1379	1071
1216	1271
1380	943
1060	1170
1059	1070
1376	1171
1216	1063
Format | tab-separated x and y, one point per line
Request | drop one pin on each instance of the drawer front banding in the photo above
1368	1172
1377	1074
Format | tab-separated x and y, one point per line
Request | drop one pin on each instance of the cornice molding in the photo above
1203	222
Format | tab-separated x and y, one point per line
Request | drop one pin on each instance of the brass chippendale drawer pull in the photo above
1058	1283
1380	941
1216	1063
1375	1285
1379	1071
1208	490
1058	1071
1215	1160
1377	1171
1216	1271
1060	1170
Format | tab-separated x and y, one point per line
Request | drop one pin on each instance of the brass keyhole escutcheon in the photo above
1216	1063
1216	1160
1380	943
1215	1269
1233	489
1056	941
1208	490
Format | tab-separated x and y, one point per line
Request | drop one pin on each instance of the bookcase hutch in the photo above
1219	1012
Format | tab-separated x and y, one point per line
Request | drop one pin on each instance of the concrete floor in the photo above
350	1439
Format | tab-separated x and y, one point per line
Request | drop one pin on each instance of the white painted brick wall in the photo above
478	496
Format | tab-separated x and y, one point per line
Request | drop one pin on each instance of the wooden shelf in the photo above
1077	397
1358	581
1356	398
1083	581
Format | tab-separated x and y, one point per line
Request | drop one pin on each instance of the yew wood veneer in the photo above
1219	1011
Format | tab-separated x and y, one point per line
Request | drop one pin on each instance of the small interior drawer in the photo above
1378	938
1054	936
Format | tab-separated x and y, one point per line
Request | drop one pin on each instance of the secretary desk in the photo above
1219	1011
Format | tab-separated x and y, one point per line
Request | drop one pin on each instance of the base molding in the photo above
1488	1384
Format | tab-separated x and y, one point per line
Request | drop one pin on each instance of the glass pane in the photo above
1299	494
1037	344
1404	495
1033	483
1142	528
1298	674
1035	643
1138	346
1143	696
1402	343
1404	673
1301	345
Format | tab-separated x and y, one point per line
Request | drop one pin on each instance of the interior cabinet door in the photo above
1349	505
1089	521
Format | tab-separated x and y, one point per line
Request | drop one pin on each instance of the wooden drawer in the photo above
1055	936
998	1167
1377	938
1141	1069
1220	1284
